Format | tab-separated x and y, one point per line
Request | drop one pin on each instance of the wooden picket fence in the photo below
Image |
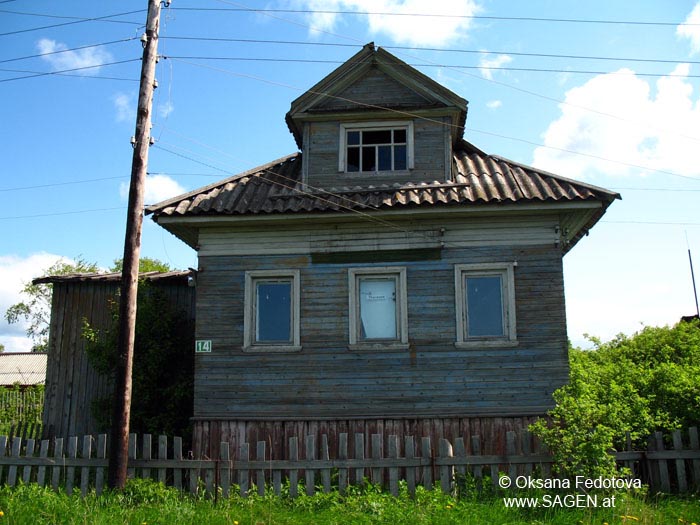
72	465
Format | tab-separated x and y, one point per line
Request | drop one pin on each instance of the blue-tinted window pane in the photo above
377	308
384	154
353	137
273	319
382	136
484	307
400	158
353	159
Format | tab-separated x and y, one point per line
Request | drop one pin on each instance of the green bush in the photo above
640	384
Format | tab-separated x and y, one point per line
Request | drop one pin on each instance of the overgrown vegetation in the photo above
19	404
146	502
162	393
639	384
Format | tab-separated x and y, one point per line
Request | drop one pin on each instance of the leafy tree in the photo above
146	264
36	306
639	384
2	348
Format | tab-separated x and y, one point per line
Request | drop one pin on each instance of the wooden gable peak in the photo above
411	90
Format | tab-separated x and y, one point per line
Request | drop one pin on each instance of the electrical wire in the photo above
46	15
432	49
40	55
82	20
450	66
437	15
71	70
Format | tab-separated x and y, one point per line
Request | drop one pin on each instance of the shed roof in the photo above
113	277
477	179
23	368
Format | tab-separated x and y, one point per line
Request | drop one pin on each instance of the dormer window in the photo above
376	146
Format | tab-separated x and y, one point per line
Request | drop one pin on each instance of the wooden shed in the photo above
389	278
72	384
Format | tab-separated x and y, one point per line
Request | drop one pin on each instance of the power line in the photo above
450	66
80	21
45	15
437	49
71	70
67	183
76	75
39	55
436	15
57	214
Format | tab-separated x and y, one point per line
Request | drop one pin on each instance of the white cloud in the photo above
494	104
15	273
412	30
158	188
60	60
634	124
691	32
125	106
165	109
487	62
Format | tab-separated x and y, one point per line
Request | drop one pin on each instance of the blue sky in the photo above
626	118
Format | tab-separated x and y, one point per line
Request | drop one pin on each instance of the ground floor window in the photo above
485	303
272	304
377	305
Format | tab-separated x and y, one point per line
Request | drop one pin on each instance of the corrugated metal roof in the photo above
112	277
22	368
477	178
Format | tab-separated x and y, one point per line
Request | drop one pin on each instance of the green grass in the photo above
150	503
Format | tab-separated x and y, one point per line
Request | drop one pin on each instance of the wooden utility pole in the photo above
119	446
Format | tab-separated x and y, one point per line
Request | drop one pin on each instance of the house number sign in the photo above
202	346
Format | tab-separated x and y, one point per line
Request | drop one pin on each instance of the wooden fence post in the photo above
446	470
343	456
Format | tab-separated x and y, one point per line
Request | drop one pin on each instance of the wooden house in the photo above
389	278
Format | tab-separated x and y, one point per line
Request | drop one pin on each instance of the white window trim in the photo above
345	126
401	343
507	270
249	344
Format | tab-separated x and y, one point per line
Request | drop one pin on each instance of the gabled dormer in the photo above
376	120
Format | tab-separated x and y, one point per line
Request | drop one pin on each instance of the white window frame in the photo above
372	126
249	343
354	275
507	273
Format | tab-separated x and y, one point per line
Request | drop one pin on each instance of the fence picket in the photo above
3	451
28	453
293	473
146	455
694	446
70	471
85	471
12	472
58	457
310	473
426	453
260	474
342	456
360	455
393	446
41	471
446	471
177	456
325	457
477	470
409	452
224	456
243	478
101	453
377	473
162	454
663	465
680	463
